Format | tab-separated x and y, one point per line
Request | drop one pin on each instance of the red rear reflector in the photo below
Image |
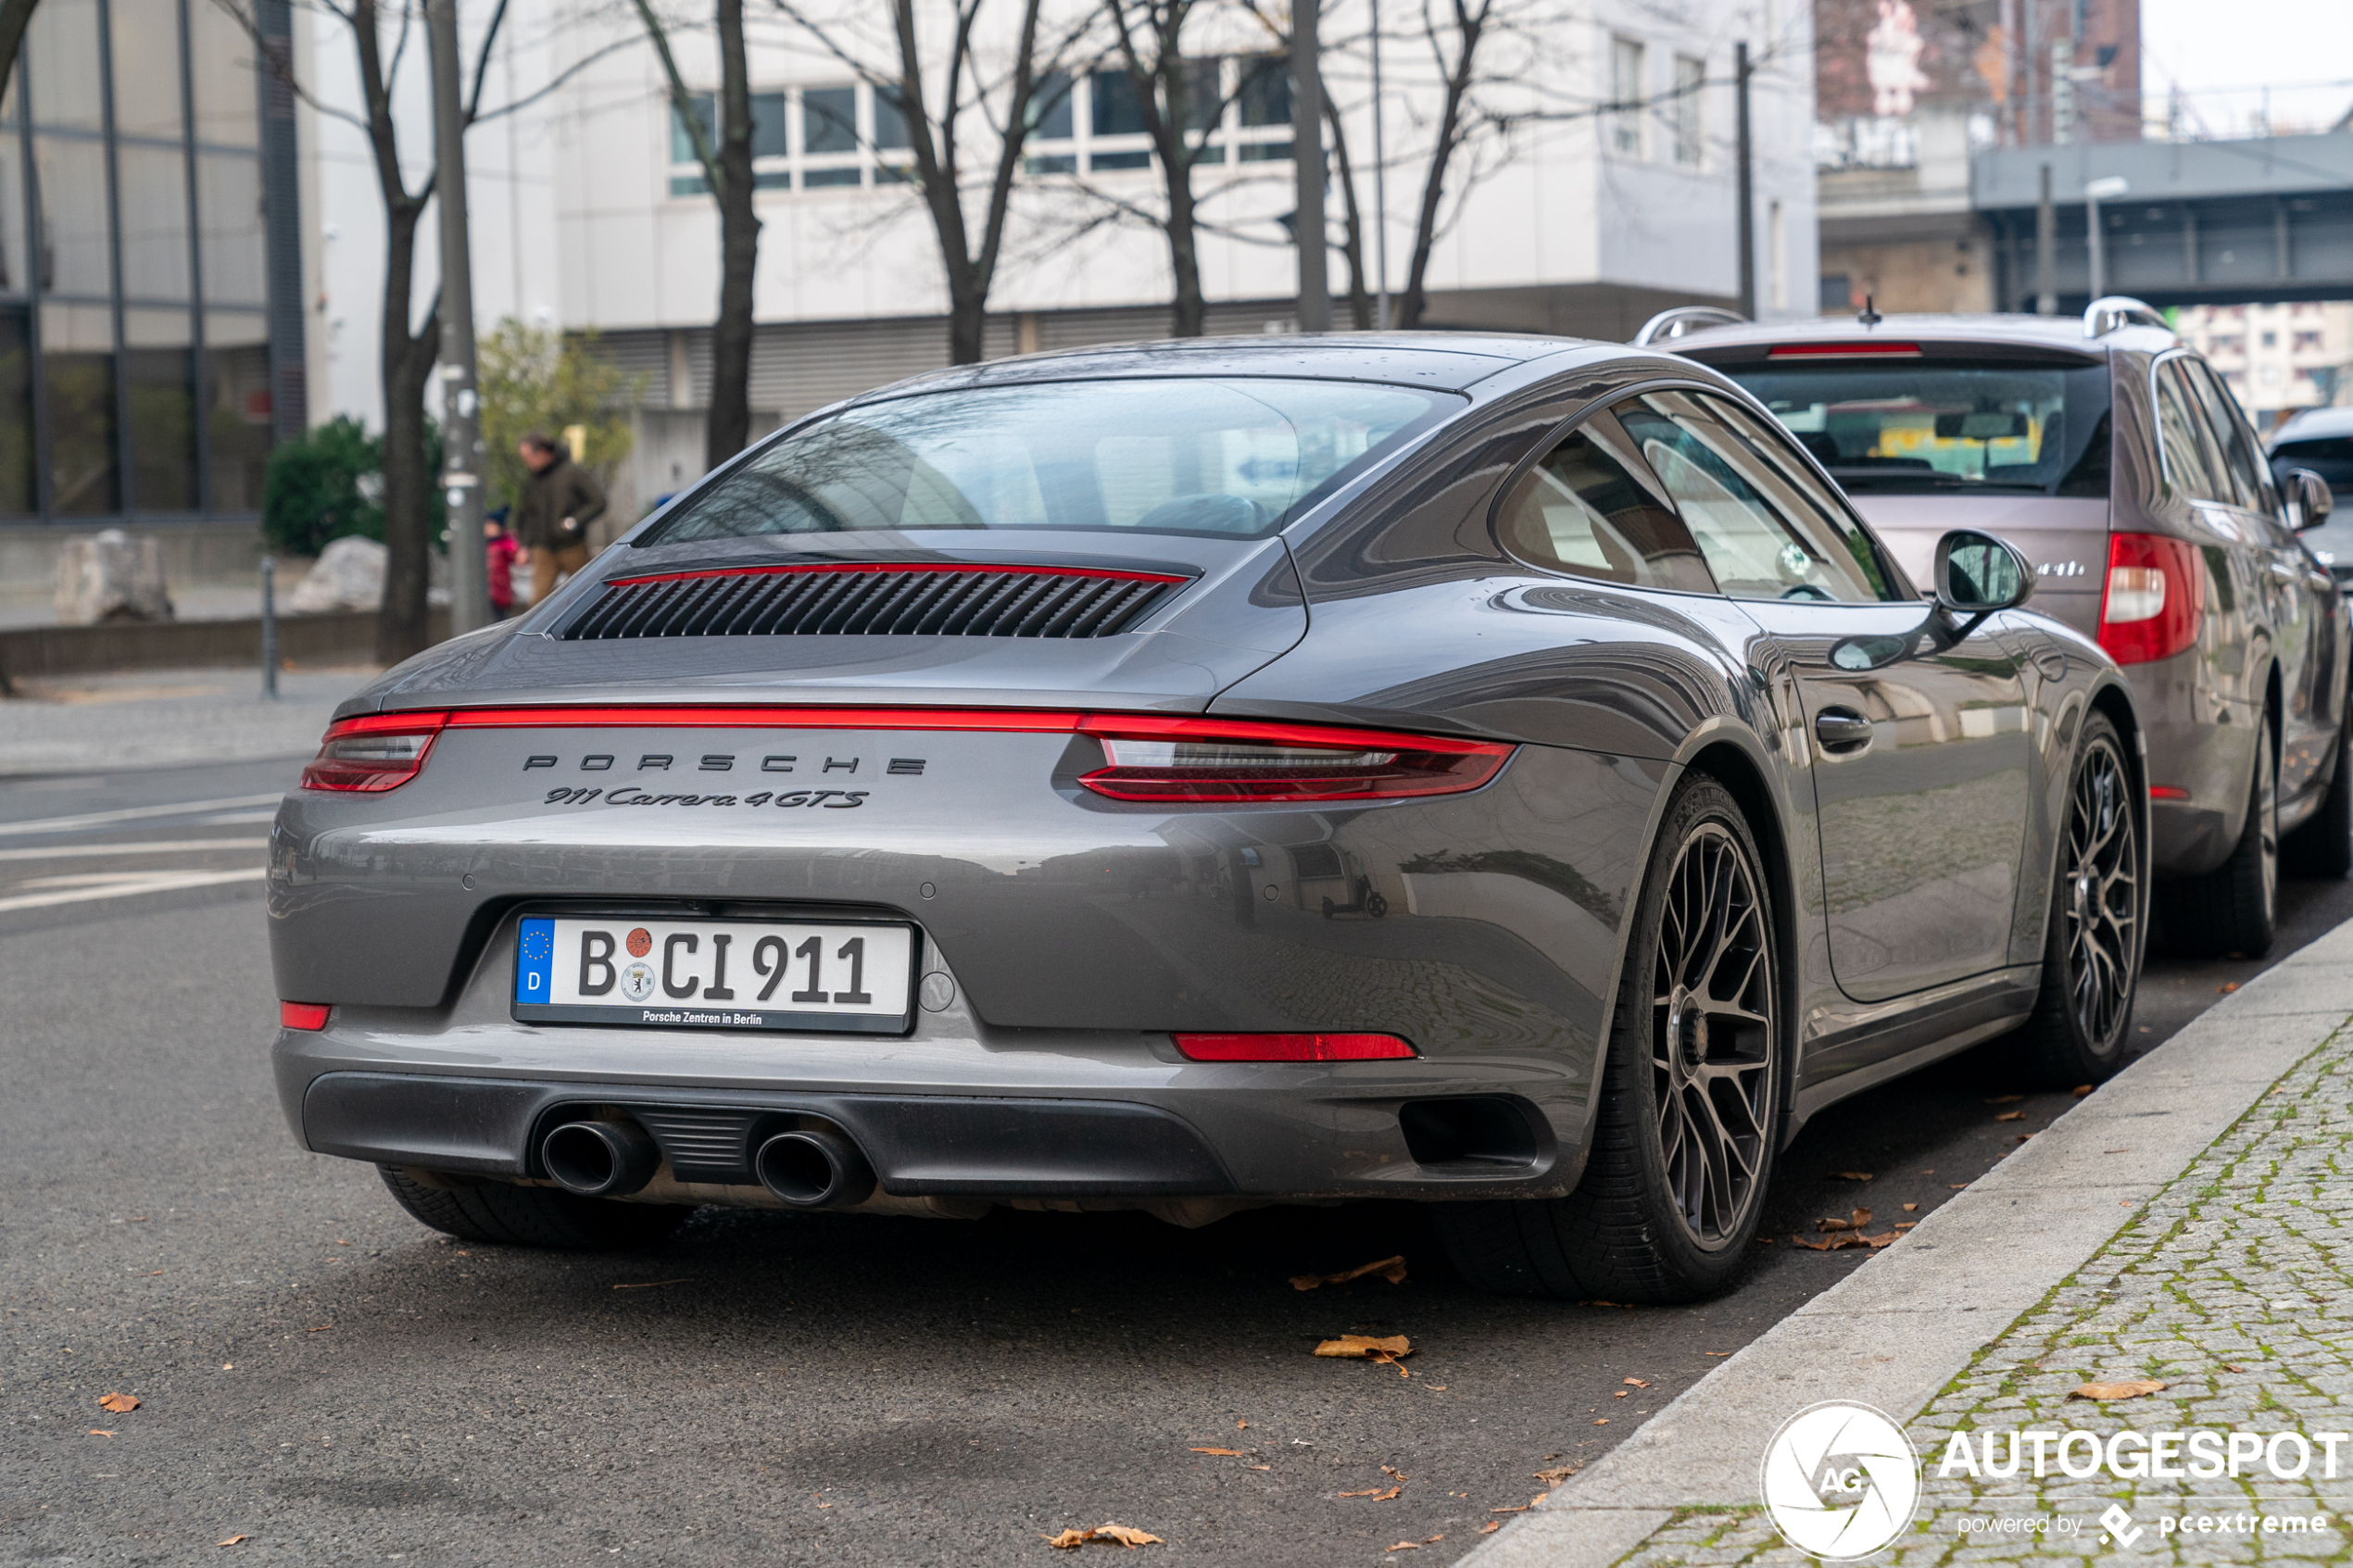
2167	792
1154	758
1844	350
1291	1047
303	1015
2154	599
373	752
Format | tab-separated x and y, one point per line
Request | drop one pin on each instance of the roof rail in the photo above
1685	319
2106	314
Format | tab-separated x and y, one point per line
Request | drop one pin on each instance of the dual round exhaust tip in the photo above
811	1167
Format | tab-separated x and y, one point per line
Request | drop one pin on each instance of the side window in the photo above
1719	481
2180	435
1820	512
1583	510
2240	453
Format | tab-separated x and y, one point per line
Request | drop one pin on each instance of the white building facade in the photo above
1597	187
2277	357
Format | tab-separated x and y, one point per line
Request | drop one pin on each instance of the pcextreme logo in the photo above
1840	1480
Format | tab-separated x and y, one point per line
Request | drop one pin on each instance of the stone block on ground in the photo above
349	575
111	576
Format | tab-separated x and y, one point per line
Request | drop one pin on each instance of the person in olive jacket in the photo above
559	501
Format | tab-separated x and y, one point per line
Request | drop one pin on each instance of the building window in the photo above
1237	109
1626	96
1690	75
1837	293
2270	340
2306	342
808	138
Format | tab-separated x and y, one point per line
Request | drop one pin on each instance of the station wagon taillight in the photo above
1173	759
2152	599
373	752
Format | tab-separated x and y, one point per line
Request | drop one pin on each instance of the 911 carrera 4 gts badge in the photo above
630	794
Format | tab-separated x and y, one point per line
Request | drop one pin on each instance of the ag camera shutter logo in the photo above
1840	1480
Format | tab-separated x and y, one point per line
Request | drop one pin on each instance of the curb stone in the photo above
1896	1332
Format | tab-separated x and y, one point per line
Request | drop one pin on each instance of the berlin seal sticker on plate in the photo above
1840	1480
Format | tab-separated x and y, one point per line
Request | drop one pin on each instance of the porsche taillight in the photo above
2154	598
373	753
1151	759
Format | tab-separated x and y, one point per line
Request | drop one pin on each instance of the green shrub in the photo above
324	487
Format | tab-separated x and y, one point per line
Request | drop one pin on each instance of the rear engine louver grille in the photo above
873	601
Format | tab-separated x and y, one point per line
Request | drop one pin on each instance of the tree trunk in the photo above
1360	303
1186	310
1469	27
729	427
967	320
407	361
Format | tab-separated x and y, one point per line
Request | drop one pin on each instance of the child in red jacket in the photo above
501	550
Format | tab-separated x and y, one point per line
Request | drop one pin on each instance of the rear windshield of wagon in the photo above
1945	426
1228	459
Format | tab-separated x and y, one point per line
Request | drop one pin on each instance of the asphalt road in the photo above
321	1376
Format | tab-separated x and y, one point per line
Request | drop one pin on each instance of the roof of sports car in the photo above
1451	360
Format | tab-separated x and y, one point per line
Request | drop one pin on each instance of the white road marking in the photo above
148	846
134	814
124	888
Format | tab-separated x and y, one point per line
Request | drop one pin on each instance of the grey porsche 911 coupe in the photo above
1499	773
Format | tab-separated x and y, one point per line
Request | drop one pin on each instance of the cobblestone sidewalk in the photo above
2234	1286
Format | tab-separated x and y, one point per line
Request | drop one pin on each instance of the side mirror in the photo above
1977	574
2309	497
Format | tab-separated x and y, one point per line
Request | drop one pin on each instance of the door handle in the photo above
1842	728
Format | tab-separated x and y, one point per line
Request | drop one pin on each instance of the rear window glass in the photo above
1928	426
1196	457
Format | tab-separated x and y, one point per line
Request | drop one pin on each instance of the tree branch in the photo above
682	101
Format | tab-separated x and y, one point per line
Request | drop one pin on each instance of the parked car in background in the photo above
2321	441
1498	773
2115	458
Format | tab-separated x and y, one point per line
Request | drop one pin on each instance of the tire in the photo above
504	1215
2233	911
1666	1211
2098	923
2324	846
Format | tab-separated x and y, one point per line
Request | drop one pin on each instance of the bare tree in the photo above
1360	300
1151	36
937	125
1457	119
406	356
726	169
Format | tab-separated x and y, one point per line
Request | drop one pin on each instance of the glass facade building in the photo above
136	348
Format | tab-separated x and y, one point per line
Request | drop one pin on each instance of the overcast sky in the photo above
2223	54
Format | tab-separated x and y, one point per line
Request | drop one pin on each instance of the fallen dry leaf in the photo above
1521	1509
649	1284
1622	1394
1438	1387
1957	1186
1407	1545
232	1540
1385	1359
1375	1493
1715	1352
2082	1089
2228	986
1224	1453
2005	1100
2011	1116
2104	1392
1859	1218
1911	1208
1364	1346
1241	1425
1833	1242
1489	1528
1389	1269
1392	1473
1258	1467
2228	1367
1604	1422
1635	1383
1110	1535
1905	1224
95	1433
321	1329
1851	1176
1554	1477
120	1403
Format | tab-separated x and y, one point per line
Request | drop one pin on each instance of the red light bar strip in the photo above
403	723
1292	1047
1153	726
1036	721
1844	350
901	566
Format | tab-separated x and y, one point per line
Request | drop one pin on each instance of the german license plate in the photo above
831	977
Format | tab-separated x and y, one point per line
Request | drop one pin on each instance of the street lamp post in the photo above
2106	188
1307	158
461	401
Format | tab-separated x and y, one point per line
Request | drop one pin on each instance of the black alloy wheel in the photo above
1711	1036
2099	921
1685	1139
